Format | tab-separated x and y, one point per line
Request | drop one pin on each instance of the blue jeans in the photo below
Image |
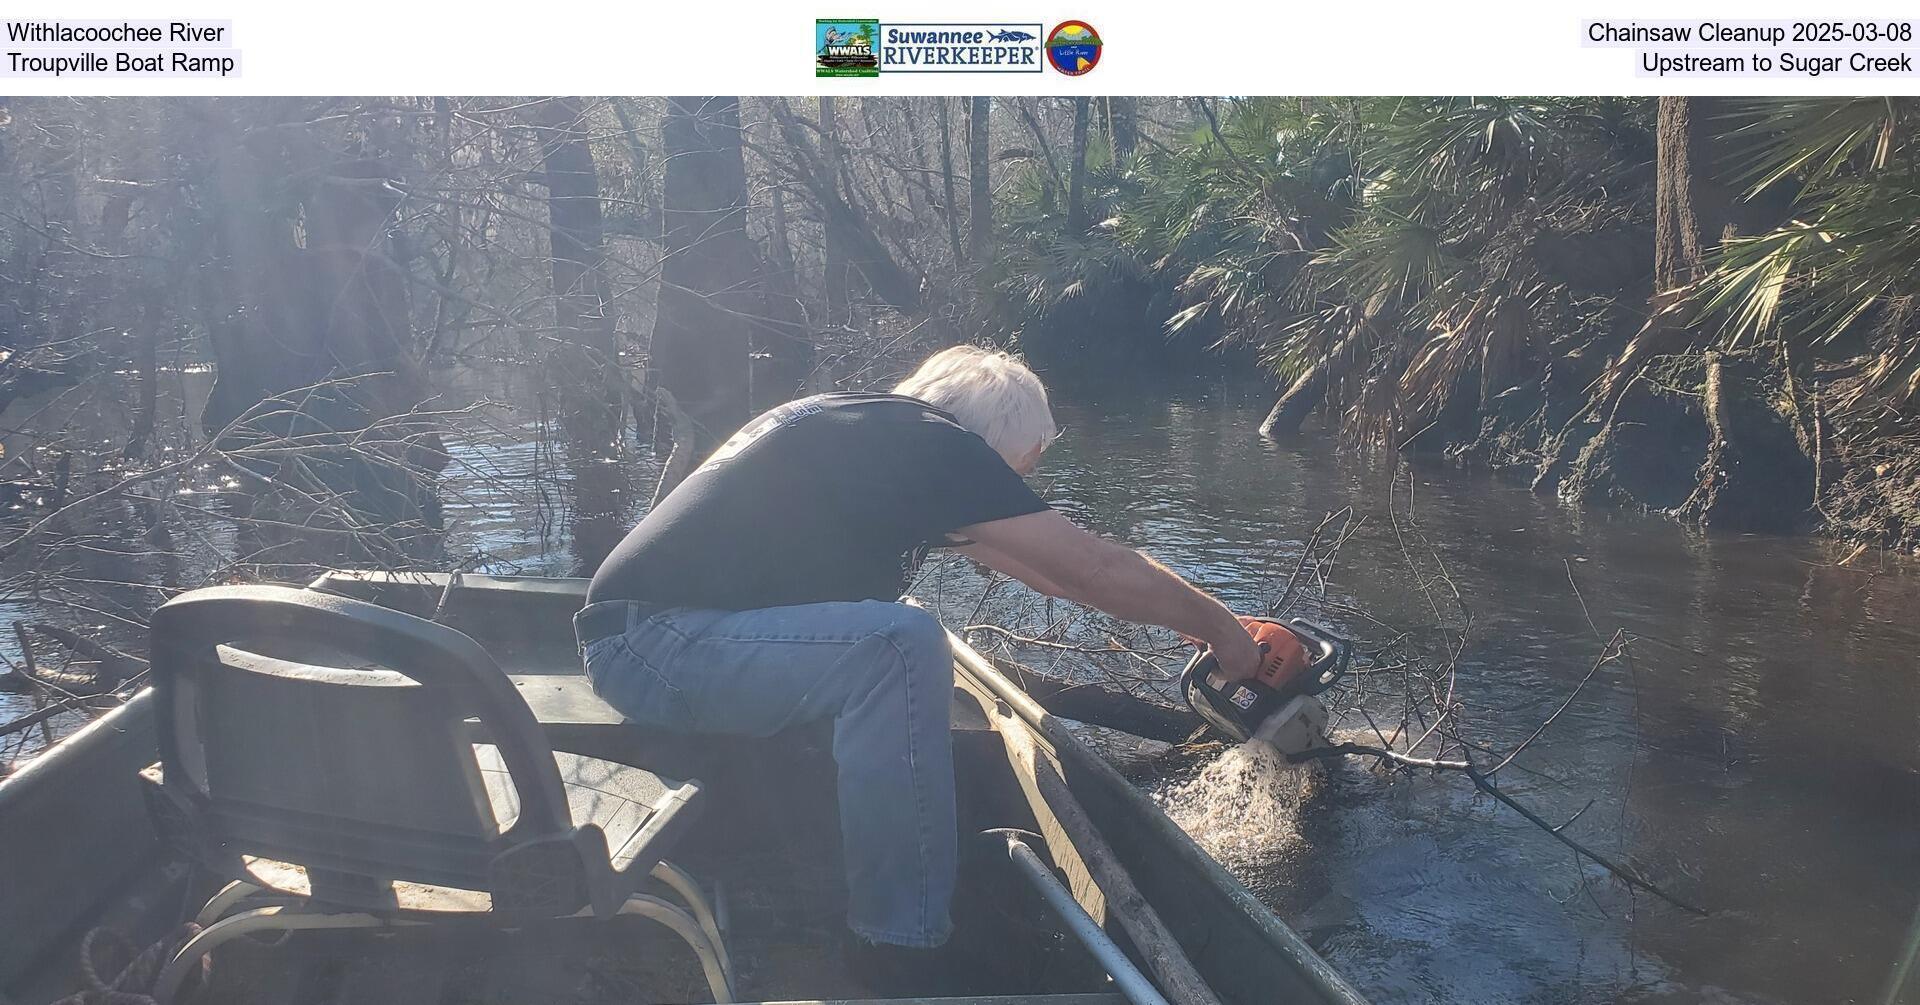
882	672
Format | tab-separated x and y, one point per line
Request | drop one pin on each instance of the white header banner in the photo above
901	47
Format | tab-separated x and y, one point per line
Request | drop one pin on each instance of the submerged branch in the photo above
1626	874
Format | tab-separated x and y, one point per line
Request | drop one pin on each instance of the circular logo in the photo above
1073	47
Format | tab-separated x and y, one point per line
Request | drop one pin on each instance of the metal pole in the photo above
1133	984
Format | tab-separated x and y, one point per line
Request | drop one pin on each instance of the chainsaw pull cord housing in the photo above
1286	658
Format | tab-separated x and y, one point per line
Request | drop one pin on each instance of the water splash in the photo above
1244	808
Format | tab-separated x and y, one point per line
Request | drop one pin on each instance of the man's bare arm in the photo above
1008	565
1049	553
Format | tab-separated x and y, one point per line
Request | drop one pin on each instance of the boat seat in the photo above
350	766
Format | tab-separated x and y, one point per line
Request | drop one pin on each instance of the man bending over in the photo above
762	593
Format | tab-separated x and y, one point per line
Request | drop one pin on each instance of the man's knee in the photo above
919	636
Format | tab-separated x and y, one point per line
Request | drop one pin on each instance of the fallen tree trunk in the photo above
115	667
1129	754
1102	706
89	702
1305	394
1089	698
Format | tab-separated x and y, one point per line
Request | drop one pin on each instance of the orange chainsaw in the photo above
1278	705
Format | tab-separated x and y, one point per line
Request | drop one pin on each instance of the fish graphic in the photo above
1011	36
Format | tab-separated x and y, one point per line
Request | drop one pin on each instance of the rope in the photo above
131	984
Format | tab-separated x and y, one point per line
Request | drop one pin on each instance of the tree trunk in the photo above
838	275
788	356
60	201
1305	394
792	356
146	363
1055	181
709	279
1503	356
781	355
583	367
333	308
1123	125
979	177
1693	208
1693	213
1077	172
322	311
951	209
782	250
145	326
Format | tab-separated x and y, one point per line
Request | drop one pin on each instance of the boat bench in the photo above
566	702
577	720
496	609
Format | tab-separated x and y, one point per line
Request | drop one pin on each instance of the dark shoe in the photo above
900	972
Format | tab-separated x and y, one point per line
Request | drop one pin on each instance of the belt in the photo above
609	617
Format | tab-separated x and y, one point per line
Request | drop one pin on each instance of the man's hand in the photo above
1239	656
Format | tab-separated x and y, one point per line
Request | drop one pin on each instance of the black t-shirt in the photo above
833	497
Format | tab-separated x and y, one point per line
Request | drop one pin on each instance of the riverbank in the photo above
1696	306
1734	442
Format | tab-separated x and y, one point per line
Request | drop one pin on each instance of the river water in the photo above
1759	755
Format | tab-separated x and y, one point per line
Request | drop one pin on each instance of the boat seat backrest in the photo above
334	734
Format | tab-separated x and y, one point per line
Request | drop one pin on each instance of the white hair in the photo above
991	393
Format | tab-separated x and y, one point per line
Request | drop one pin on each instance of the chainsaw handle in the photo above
1331	660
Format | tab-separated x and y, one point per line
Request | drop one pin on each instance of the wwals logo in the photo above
846	48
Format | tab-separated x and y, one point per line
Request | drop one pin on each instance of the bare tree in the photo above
1077	170
583	363
979	177
839	276
709	279
1123	125
950	208
320	311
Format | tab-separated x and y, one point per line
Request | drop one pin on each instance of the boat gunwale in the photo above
1085	762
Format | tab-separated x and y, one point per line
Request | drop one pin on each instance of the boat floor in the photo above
783	952
786	932
770	836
